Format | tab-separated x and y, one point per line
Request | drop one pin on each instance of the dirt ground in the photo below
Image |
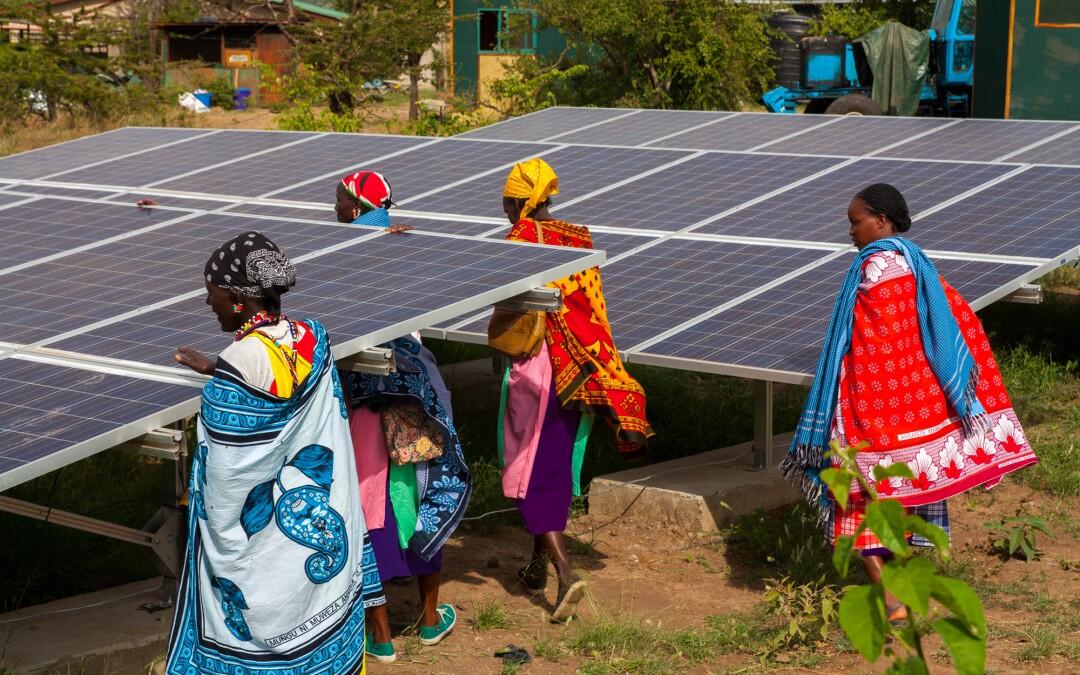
666	579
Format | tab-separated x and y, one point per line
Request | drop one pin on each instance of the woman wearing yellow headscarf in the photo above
550	400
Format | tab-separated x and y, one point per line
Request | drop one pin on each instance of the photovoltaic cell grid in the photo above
1035	213
581	170
857	135
45	408
44	161
1063	150
783	328
817	210
679	280
367	287
977	140
332	153
163	163
424	169
50	226
544	124
52	298
641	127
742	132
52	191
698	189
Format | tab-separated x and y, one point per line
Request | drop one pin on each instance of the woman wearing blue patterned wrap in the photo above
279	564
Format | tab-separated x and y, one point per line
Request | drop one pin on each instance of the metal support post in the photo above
763	425
541	299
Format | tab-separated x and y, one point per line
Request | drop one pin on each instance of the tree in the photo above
63	67
413	26
705	54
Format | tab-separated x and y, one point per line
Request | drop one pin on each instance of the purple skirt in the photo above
546	506
393	561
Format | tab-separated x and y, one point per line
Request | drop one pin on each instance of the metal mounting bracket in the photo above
541	299
1028	294
372	361
160	443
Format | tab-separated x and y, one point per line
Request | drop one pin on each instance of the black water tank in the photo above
789	63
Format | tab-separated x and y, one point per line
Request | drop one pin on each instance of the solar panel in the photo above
693	191
977	140
742	131
294	164
817	210
783	328
164	163
461	225
1034	213
374	291
679	279
1063	150
581	170
857	135
192	203
51	415
642	127
424	169
48	160
50	226
541	125
53	191
54	297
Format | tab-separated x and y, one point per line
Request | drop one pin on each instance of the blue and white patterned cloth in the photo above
444	484
279	567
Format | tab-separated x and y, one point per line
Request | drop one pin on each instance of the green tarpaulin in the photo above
898	57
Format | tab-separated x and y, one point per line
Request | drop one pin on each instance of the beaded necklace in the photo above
263	319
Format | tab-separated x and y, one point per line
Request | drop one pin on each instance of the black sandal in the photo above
534	575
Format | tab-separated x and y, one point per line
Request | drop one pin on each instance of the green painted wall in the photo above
467	42
1042	81
991	59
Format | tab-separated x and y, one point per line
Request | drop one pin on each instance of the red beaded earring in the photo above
237	308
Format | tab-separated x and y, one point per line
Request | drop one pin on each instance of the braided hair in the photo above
884	199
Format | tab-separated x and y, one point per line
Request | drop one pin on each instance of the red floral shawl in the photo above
589	375
889	398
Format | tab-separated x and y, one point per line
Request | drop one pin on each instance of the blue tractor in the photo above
834	75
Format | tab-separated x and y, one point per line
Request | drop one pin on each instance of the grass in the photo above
490	616
785	542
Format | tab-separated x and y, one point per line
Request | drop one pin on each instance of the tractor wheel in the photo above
854	104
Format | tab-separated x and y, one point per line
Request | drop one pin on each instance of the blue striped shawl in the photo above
947	353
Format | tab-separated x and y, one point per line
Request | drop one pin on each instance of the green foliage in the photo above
912	580
701	54
490	616
1016	536
62	70
857	19
380	39
807	612
530	85
786	542
221	92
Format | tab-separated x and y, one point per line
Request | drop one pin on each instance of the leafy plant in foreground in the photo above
912	579
1010	536
808	611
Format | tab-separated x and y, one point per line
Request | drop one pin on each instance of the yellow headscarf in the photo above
533	180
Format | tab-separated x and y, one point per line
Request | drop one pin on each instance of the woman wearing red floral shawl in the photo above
915	382
550	400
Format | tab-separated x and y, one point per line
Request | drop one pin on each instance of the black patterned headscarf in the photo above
253	266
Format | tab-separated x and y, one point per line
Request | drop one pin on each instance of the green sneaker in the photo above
433	635
383	652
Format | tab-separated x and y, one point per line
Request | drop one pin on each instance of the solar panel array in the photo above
725	234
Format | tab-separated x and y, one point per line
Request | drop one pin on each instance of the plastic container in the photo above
823	62
203	96
240	98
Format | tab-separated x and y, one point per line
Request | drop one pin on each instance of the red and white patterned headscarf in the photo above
369	187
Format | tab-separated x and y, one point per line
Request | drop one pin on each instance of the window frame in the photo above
503	13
